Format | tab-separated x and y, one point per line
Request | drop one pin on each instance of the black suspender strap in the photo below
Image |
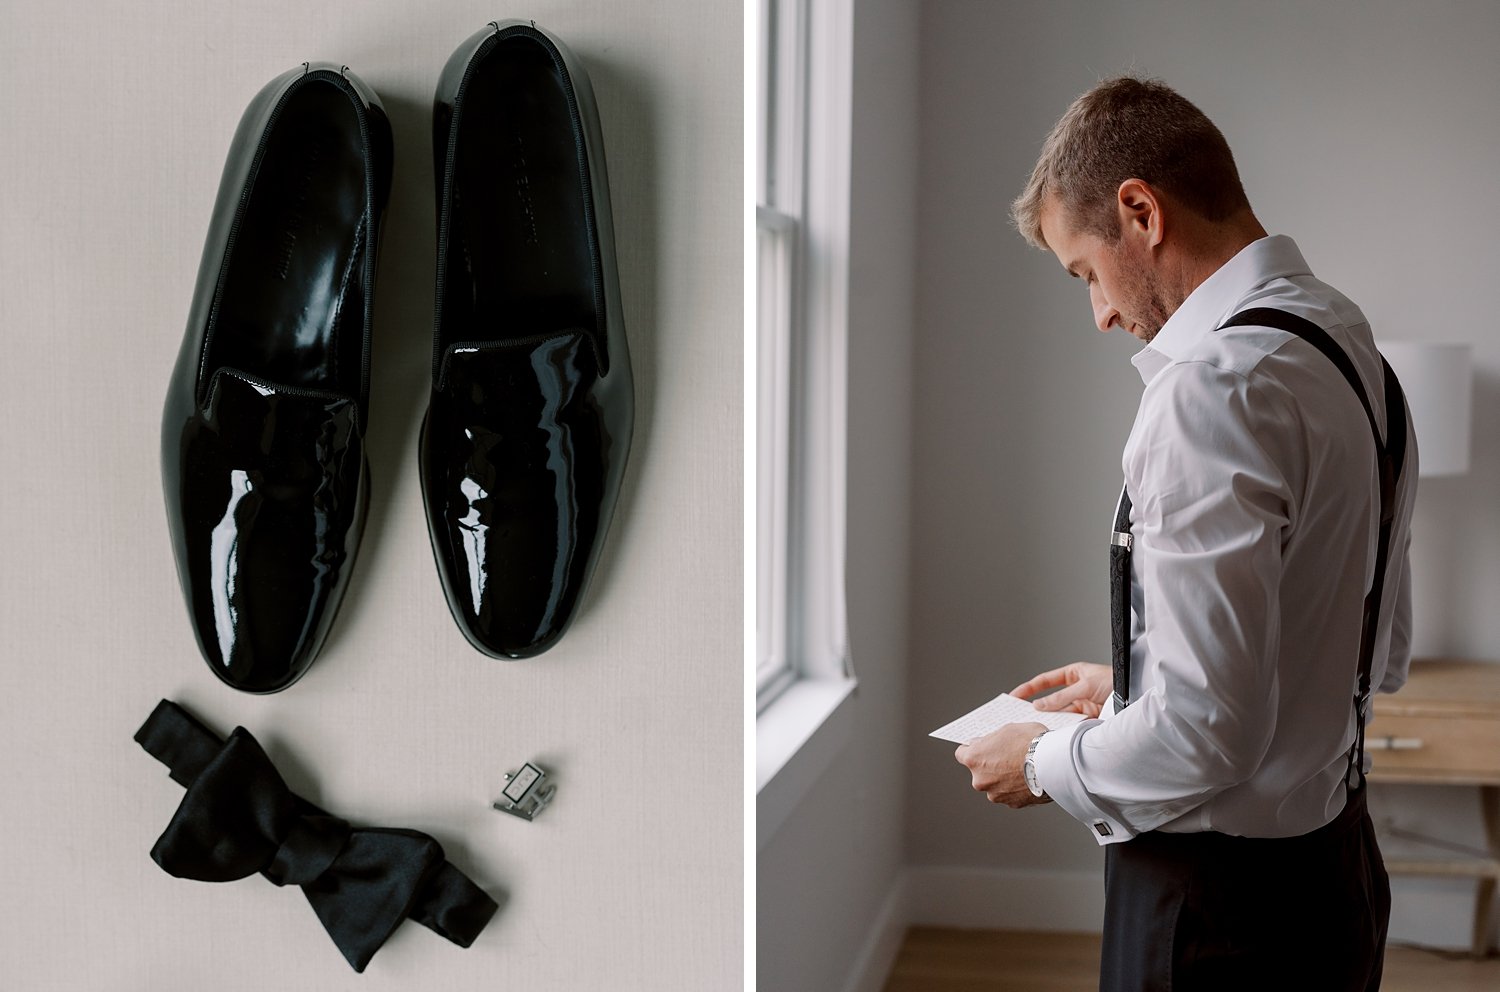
1390	458
1119	601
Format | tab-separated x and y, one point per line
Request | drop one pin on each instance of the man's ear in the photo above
1140	209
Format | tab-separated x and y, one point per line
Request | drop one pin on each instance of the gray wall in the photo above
1369	132
825	876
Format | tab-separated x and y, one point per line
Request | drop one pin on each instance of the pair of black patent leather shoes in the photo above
530	416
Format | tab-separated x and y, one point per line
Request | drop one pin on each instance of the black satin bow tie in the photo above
238	818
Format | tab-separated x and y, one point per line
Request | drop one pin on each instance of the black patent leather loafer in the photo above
263	460
529	423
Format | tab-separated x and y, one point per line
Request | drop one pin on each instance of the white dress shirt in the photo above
1252	472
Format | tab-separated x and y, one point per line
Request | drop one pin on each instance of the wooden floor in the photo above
940	960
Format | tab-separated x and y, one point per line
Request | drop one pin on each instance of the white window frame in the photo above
780	328
802	675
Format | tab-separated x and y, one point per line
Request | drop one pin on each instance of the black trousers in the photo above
1208	911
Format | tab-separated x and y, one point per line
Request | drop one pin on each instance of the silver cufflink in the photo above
527	792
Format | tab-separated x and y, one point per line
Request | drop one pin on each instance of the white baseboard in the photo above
873	964
1431	912
990	899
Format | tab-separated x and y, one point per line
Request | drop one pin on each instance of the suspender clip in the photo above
1121	539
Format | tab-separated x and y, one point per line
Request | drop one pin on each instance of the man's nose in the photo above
1105	316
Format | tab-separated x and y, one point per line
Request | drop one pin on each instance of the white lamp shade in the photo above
1439	390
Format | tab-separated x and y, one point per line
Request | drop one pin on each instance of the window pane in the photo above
773	272
765	104
780	136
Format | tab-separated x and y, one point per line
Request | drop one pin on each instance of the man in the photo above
1219	764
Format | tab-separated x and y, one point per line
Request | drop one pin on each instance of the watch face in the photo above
1028	769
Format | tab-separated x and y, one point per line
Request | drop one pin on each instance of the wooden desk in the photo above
1443	728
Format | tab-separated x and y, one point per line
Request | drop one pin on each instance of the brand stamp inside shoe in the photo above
523	189
294	217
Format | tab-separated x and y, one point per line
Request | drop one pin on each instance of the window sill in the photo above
796	739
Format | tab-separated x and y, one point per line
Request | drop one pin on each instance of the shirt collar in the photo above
1217	298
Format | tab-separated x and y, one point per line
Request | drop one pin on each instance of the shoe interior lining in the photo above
298	254
519	263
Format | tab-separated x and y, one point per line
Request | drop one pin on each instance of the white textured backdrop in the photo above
114	122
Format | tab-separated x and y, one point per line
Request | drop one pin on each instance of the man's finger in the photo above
1046	680
1063	698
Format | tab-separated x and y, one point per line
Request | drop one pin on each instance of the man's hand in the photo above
1084	689
995	761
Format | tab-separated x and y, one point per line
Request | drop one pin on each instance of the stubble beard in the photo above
1150	307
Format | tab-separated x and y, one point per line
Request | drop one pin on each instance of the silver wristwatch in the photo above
1028	767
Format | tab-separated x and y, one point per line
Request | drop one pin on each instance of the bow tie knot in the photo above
308	850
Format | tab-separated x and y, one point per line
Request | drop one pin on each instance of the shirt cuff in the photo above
1056	764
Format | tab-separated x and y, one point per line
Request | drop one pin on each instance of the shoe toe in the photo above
266	517
262	593
520	472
